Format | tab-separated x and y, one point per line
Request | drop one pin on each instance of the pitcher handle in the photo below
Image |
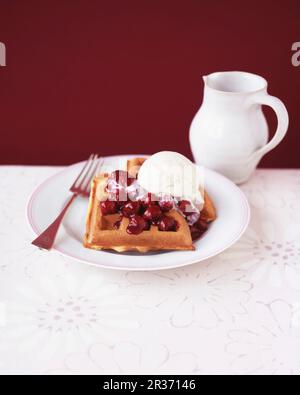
283	122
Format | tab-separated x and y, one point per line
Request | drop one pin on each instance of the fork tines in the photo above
82	184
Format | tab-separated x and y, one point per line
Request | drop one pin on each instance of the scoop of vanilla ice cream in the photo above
170	173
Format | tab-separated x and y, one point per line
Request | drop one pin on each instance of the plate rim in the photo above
36	231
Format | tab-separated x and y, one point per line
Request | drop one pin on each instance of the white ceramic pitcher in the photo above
229	133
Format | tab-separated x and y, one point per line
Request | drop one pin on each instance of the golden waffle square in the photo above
101	234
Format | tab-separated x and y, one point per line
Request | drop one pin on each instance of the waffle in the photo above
101	234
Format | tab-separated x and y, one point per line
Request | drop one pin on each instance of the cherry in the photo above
185	207
166	205
202	225
131	208
153	214
198	229
117	225
108	207
195	232
148	225
121	205
149	200
167	224
136	225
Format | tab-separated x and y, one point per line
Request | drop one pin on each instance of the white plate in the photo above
49	198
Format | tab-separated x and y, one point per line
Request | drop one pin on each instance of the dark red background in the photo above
125	76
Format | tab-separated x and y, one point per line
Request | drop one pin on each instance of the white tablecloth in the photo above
234	314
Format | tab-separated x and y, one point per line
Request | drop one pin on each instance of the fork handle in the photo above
46	240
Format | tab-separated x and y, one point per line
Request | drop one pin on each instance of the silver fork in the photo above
81	187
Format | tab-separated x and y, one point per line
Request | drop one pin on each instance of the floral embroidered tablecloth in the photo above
238	313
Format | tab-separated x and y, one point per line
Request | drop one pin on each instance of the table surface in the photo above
238	313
